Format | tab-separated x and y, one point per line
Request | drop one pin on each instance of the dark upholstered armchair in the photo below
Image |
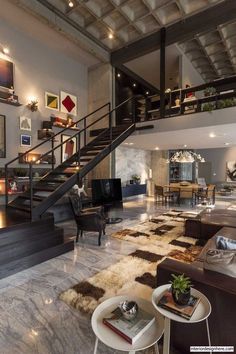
91	219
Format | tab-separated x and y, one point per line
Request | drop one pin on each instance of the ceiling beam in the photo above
188	28
137	78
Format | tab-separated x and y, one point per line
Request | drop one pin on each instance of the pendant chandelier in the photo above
186	157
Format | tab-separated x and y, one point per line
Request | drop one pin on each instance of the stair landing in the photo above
25	243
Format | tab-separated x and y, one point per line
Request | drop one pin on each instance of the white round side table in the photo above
201	313
113	340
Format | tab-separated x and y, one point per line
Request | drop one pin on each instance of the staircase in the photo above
44	193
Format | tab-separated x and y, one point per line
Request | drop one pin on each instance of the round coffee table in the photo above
201	313
113	340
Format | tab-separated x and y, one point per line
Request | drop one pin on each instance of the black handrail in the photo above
109	113
84	129
52	138
62	131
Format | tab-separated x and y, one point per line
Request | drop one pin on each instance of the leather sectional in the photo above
219	288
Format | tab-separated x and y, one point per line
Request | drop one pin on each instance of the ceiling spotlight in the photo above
110	35
157	148
5	50
212	135
118	75
185	145
147	92
226	144
70	4
134	84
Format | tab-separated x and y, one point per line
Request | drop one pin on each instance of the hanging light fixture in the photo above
185	156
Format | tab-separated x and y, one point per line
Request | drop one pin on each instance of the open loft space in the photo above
117	176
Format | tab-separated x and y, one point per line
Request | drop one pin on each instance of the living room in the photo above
117	170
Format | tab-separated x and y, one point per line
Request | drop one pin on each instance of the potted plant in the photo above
209	91
181	289
208	107
136	179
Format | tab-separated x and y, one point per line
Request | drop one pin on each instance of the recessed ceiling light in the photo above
226	144
110	35
118	75
157	148
5	50
131	143
212	135
134	84
147	92
185	145
71	4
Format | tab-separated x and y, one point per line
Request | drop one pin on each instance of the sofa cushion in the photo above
225	243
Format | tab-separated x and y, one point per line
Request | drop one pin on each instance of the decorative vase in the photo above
183	298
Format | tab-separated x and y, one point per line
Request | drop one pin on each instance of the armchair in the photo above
91	219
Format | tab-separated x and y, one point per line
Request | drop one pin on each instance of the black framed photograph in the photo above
2	136
69	147
6	74
25	140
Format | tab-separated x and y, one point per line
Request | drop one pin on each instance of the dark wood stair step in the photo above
19	207
54	180
28	246
18	265
38	198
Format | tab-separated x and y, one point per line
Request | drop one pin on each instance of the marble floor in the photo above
32	318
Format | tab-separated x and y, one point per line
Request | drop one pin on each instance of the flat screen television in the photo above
106	191
6	74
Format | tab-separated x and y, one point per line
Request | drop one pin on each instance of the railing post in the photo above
110	124
31	188
78	152
6	185
85	128
53	155
134	110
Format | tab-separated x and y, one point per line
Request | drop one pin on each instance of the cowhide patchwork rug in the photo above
135	274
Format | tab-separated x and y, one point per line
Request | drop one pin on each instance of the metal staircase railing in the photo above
82	133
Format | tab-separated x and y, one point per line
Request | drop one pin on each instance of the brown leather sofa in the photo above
209	222
221	292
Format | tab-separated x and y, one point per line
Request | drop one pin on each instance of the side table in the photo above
201	313
113	340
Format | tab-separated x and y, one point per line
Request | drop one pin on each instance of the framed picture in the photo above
25	123
6	74
51	101
231	171
25	140
68	103
69	148
2	136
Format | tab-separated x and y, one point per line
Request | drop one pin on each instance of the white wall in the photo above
189	75
130	162
38	68
218	158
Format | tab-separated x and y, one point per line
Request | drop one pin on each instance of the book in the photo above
130	330
186	311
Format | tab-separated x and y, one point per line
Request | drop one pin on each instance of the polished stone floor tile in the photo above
34	321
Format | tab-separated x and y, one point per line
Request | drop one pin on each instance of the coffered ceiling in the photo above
113	24
126	20
213	53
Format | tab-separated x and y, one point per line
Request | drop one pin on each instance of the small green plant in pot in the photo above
181	289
